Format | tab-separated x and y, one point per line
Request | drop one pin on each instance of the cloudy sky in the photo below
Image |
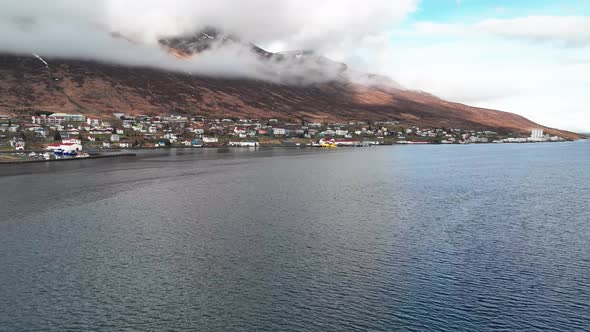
531	57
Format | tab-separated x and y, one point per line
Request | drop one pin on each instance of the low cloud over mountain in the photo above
130	32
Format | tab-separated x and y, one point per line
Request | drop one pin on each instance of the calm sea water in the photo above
445	238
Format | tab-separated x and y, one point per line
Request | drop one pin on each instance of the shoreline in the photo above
115	154
16	162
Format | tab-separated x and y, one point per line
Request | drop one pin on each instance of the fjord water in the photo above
446	238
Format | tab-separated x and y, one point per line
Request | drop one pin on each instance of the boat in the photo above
328	143
196	143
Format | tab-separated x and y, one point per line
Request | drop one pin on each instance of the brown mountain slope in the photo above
101	89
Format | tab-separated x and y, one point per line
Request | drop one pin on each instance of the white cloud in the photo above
572	31
568	30
547	84
81	29
296	24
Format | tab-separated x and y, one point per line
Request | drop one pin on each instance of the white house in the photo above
199	131
340	132
279	131
328	132
57	118
210	139
18	144
93	121
172	138
72	140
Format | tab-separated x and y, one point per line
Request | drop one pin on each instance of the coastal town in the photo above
41	135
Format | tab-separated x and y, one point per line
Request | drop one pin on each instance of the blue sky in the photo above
472	10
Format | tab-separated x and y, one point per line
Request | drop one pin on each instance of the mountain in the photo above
99	89
204	40
294	67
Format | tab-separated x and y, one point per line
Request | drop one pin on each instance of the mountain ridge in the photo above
100	89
